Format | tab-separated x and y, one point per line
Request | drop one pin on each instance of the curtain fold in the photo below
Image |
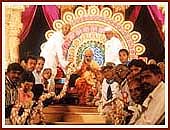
27	19
51	13
158	18
135	13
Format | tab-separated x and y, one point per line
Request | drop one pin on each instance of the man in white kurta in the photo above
112	47
155	102
52	50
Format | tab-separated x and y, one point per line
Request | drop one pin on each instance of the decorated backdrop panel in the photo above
87	31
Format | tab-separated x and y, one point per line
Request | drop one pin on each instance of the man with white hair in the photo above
112	47
85	84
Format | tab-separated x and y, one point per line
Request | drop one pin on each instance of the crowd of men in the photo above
125	92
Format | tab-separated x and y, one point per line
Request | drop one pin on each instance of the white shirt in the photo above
155	104
114	88
112	48
37	77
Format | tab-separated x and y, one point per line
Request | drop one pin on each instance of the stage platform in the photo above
72	114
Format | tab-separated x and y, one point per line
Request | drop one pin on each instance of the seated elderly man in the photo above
85	84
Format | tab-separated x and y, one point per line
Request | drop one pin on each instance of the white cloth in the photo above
114	88
37	77
155	106
137	109
52	51
112	48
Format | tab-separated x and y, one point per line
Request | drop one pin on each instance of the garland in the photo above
15	118
30	112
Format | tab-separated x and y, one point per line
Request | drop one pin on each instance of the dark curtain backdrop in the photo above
150	34
36	36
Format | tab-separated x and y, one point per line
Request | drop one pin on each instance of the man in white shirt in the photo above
112	47
112	103
108	72
154	104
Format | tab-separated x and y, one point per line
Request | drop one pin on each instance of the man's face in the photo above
134	70
122	71
123	57
108	35
88	56
30	65
27	86
14	76
108	73
66	29
135	94
39	65
150	78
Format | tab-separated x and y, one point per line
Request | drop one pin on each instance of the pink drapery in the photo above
158	18
51	13
135	13
27	19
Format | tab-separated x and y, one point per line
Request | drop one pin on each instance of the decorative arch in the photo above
87	30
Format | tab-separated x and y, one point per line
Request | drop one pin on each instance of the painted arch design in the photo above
87	31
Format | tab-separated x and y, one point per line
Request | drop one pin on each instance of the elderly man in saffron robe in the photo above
85	84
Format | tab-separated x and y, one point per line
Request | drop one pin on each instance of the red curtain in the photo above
134	15
157	17
27	19
51	13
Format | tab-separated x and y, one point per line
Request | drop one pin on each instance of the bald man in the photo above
87	79
88	64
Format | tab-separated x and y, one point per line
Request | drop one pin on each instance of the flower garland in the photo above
31	111
116	115
15	118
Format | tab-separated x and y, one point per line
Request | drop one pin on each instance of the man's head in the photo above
88	56
14	72
30	63
108	71
123	56
151	75
136	66
108	33
27	80
40	64
122	71
66	29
